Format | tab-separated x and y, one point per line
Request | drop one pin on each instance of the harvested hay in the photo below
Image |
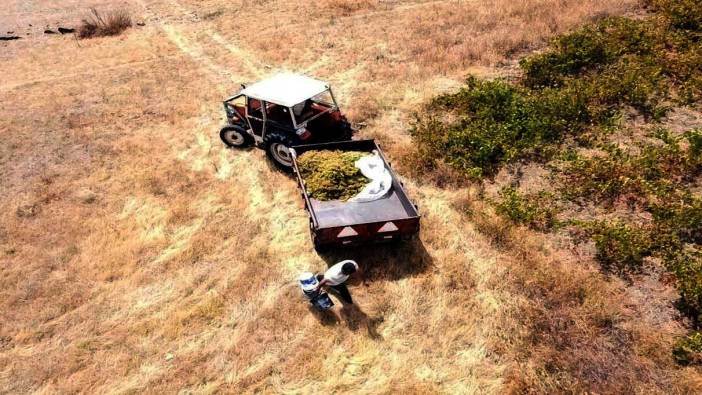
332	175
109	24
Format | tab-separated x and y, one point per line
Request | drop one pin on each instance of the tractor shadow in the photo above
385	262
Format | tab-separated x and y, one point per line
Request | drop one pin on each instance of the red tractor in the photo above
284	111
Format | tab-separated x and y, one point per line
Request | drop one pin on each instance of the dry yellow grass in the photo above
137	254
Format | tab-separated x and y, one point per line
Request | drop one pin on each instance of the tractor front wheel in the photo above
235	137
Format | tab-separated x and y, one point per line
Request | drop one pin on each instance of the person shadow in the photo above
383	262
355	319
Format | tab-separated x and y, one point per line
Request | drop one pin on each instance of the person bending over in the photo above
336	276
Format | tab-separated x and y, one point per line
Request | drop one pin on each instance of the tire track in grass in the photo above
85	73
249	175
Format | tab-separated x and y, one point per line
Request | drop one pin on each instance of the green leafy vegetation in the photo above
686	265
535	211
688	350
332	175
581	82
571	96
620	247
663	164
497	122
658	178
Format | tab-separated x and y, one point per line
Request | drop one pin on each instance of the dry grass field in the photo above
137	254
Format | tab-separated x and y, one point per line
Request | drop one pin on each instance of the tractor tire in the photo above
234	136
277	145
346	132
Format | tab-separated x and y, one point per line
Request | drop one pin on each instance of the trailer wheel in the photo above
235	136
278	150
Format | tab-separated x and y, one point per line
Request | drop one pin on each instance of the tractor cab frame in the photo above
282	111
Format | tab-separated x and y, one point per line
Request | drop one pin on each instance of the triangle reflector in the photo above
388	227
346	232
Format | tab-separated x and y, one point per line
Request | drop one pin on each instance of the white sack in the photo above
373	167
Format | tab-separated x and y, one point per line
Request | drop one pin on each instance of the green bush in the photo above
661	167
588	49
581	82
685	262
620	247
682	14
602	177
694	138
536	211
497	122
688	349
571	94
680	214
633	81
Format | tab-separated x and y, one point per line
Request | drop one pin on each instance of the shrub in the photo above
681	214
685	262
694	138
587	49
661	167
682	14
111	23
497	122
602	177
535	211
667	161
620	247
579	83
688	349
572	91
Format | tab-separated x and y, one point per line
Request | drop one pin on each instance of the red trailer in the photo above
337	223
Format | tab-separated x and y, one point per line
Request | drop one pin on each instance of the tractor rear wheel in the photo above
235	136
346	132
278	150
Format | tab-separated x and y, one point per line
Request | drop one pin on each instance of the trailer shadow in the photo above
385	262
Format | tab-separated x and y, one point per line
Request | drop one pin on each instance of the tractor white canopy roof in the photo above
285	89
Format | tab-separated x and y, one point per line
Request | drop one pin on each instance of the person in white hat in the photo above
336	276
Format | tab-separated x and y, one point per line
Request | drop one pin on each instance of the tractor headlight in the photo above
229	110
